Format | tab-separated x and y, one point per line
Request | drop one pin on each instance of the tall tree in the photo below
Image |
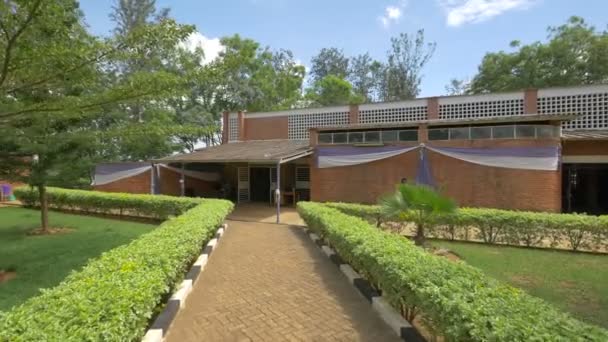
130	14
457	87
332	91
575	53
329	61
54	87
364	73
403	72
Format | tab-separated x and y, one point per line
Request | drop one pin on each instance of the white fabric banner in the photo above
355	159
206	176
113	177
505	161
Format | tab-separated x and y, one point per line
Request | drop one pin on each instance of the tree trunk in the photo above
44	209
419	238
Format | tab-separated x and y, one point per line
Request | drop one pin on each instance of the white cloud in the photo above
392	14
460	12
211	46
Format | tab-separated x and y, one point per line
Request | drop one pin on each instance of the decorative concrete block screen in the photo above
390	112
233	127
481	106
591	102
301	121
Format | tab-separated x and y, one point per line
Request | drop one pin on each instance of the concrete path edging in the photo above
386	312
158	330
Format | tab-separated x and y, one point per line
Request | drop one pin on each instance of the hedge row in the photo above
157	207
520	228
114	296
457	300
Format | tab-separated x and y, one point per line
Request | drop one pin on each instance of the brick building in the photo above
538	149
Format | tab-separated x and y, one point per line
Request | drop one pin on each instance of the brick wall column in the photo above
423	136
432	108
225	127
530	104
241	120
353	117
313	137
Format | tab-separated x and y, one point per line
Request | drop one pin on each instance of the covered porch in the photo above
269	173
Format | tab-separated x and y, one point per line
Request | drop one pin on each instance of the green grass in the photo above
574	282
44	261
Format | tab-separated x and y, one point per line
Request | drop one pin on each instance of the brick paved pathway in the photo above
269	282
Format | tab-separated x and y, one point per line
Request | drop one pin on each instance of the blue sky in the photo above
464	30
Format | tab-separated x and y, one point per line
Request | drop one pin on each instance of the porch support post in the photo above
152	178
278	192
182	182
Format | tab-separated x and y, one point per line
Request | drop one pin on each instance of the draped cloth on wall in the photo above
106	173
351	155
522	158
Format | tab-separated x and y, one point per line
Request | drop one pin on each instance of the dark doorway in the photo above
585	188
259	179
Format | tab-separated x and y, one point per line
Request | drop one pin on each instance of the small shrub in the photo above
114	296
460	301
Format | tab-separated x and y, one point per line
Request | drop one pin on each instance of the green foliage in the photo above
519	228
329	61
418	203
460	302
44	261
114	297
574	54
152	206
332	91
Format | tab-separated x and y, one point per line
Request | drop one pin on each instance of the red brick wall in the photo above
584	147
139	184
169	184
469	184
266	128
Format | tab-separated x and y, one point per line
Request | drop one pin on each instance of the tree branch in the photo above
10	44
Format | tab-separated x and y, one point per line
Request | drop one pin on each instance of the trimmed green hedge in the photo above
520	228
114	296
158	206
459	301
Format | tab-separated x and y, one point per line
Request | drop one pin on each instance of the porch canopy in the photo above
278	151
259	151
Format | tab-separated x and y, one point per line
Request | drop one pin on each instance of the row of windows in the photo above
452	133
370	137
495	132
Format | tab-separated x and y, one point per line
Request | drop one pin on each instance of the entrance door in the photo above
260	184
585	188
243	185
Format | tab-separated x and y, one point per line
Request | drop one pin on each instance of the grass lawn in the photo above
574	282
44	261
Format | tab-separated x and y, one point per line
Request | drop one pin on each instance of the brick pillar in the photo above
432	108
530	104
423	136
353	117
225	127
241	120
313	137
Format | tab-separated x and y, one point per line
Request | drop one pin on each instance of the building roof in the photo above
447	122
585	134
257	151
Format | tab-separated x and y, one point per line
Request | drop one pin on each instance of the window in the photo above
355	137
390	136
340	138
372	137
459	133
439	134
503	132
325	138
481	132
409	135
547	131
525	131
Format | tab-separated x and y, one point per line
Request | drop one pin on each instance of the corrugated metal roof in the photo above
587	134
246	151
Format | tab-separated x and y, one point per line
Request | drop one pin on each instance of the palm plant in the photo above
417	203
